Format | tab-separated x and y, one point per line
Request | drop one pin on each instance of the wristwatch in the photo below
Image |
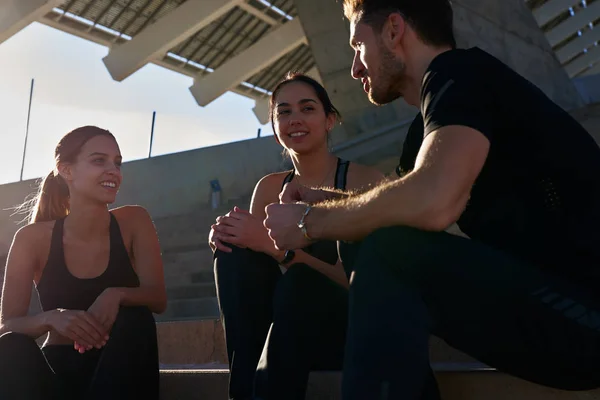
302	223
288	257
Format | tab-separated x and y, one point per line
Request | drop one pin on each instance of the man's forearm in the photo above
335	194
345	218
408	201
339	194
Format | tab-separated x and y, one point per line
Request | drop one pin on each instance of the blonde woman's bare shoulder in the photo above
36	230
35	237
130	214
362	177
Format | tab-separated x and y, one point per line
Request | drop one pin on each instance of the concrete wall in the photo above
508	30
171	184
589	88
505	28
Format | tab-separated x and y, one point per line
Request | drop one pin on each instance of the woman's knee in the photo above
234	257
242	263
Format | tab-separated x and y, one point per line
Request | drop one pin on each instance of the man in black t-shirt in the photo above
518	175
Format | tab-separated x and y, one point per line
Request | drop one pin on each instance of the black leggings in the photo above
293	323
408	284
126	368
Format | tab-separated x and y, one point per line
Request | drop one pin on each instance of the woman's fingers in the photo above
81	336
226	230
220	246
219	238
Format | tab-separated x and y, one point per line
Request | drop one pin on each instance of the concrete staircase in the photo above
454	385
187	260
194	367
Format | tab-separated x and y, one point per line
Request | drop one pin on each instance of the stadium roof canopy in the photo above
246	46
243	46
571	27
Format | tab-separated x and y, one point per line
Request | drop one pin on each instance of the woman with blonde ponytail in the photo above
52	201
99	277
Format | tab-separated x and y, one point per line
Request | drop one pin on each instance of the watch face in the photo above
289	256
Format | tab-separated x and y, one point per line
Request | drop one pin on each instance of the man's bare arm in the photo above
431	197
317	195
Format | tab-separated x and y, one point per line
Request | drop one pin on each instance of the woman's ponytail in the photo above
52	200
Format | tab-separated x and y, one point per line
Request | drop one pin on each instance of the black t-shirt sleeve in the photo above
447	101
411	146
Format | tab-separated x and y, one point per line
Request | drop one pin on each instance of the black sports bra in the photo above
58	288
326	250
341	175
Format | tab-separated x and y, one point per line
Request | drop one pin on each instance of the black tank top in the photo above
58	288
326	250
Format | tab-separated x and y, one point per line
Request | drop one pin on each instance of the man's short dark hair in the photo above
431	19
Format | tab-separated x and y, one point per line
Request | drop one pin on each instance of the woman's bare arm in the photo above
18	282
148	264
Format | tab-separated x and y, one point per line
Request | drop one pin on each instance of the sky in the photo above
72	88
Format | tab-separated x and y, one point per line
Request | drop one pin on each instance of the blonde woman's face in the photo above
97	172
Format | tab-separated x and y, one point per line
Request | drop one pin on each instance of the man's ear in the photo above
394	30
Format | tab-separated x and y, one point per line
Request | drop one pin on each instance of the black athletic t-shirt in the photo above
411	146
538	194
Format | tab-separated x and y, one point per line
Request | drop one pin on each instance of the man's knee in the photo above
397	246
396	238
390	256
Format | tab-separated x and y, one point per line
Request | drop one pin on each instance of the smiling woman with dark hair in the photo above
303	311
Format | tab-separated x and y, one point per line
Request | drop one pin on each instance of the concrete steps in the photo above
190	309
191	229
211	384
191	291
181	268
193	361
189	279
202	342
187	260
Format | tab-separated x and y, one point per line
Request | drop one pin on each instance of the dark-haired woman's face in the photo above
97	172
299	118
